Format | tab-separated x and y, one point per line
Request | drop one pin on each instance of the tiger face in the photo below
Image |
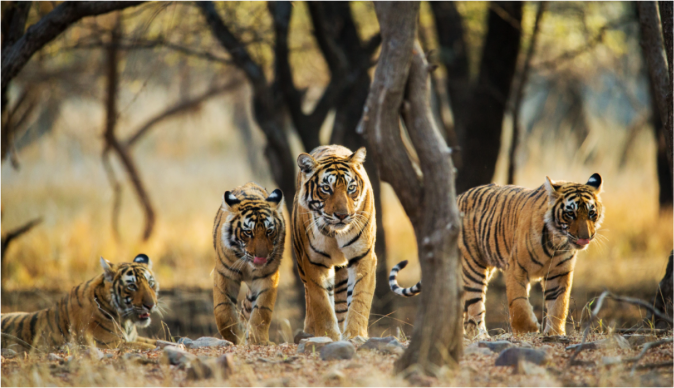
255	226
333	189
575	210
133	289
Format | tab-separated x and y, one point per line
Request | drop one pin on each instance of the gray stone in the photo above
313	344
9	353
198	370
175	356
300	335
358	340
512	356
53	357
340	350
556	339
376	343
495	346
162	344
204	342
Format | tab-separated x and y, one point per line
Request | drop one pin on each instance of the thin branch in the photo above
16	233
179	108
116	192
647	346
519	94
15	57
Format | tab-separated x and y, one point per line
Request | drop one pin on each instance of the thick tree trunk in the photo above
484	120
651	39
428	200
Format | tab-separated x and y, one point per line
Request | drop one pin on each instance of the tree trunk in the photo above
651	39
428	200
484	120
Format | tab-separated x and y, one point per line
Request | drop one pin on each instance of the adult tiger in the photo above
530	235
104	311
334	233
248	237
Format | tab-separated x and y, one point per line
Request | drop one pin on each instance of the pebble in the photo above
174	356
204	342
313	344
377	343
340	350
512	356
9	353
495	346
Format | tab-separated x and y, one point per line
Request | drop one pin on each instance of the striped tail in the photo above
393	282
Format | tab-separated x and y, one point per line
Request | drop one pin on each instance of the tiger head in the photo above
575	210
133	288
255	229
333	187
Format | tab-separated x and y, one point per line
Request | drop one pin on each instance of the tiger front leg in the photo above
264	298
320	319
225	292
557	294
522	317
359	294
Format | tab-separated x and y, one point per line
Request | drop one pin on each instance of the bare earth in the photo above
281	365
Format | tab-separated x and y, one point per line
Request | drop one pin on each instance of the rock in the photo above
495	346
313	344
358	340
109	355
53	357
376	343
93	354
225	363
300	335
512	356
175	356
638	340
9	353
204	342
340	350
198	370
557	339
475	349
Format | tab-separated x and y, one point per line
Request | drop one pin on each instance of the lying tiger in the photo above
530	235
249	238
104	311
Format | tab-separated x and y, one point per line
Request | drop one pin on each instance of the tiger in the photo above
249	238
530	235
103	312
334	229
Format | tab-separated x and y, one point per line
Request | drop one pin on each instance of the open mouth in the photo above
259	260
143	316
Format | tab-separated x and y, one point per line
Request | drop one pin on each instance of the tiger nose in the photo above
341	216
149	306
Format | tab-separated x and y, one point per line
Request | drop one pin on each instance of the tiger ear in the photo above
108	272
358	157
275	197
142	258
551	187
306	163
596	182
229	200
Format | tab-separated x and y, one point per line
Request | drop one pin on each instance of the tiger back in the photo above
334	229
530	235
104	312
249	238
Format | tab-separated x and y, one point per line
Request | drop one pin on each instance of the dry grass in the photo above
281	366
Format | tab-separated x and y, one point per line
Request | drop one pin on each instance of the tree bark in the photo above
519	94
428	197
651	39
484	120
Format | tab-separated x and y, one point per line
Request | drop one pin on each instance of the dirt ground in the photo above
281	365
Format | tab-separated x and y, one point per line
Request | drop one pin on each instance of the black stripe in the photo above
262	308
264	276
343	282
565	260
556	276
519	297
471	289
466	274
470	302
341	290
316	250
353	240
317	264
356	259
341	311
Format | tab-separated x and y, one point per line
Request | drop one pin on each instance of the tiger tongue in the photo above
259	260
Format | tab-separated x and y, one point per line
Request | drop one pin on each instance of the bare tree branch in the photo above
16	233
14	21
519	94
14	57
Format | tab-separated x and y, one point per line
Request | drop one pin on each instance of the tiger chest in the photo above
324	250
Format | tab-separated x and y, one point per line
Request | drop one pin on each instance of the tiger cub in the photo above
104	311
530	235
248	236
334	231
